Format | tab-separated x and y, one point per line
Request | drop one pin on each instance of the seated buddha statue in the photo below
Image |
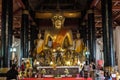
58	37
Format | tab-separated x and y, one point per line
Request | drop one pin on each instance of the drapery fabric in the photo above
117	45
99	50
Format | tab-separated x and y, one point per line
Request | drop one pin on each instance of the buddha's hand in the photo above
46	47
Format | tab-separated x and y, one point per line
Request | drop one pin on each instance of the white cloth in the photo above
86	67
117	44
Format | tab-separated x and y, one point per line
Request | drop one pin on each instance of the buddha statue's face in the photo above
78	35
58	21
39	36
58	24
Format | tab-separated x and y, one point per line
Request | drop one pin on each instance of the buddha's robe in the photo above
79	46
61	38
39	45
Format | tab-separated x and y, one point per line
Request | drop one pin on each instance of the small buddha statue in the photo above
61	38
79	45
28	64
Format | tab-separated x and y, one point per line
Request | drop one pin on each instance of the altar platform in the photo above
71	78
60	70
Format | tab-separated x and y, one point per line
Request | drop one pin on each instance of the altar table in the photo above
57	79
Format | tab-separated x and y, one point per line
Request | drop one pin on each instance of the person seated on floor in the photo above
86	69
107	76
12	73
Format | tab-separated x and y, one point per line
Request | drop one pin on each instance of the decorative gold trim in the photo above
25	12
47	15
43	15
4	70
72	14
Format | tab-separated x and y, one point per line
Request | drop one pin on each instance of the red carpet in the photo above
56	79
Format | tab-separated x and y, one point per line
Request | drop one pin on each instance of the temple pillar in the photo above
6	34
33	35
91	35
84	33
109	55
24	34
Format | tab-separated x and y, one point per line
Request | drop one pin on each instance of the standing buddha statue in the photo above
39	44
79	47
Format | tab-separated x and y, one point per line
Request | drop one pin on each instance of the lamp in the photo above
13	56
87	54
13	49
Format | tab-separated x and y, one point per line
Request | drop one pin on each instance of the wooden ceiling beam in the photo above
94	3
115	0
23	6
20	3
98	18
99	21
97	13
48	15
16	11
117	17
98	25
116	8
115	3
54	4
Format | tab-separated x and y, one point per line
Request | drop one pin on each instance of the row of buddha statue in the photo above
58	46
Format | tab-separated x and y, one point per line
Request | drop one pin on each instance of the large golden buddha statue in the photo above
58	46
58	37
